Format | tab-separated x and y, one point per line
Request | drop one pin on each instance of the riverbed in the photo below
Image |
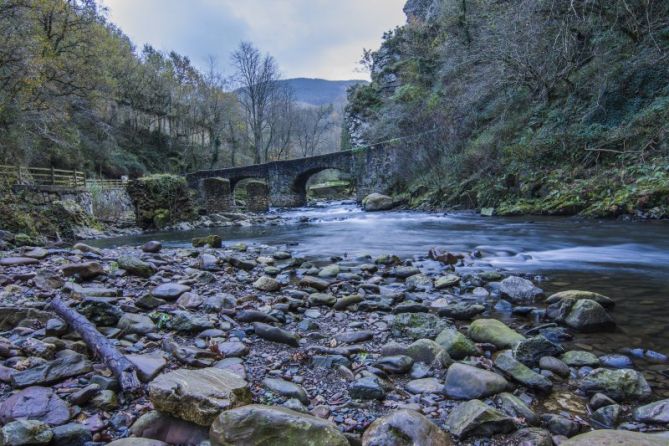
627	261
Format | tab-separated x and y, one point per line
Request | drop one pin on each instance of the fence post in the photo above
18	176
53	176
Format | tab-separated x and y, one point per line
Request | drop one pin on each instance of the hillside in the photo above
320	91
560	108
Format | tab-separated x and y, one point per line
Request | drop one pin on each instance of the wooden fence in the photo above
41	176
106	184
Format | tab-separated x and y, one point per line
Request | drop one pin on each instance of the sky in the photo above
308	38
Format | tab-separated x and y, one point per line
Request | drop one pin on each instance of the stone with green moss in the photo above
456	344
200	395
213	241
621	384
417	325
136	266
258	425
494	332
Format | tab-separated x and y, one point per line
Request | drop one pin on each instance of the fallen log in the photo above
121	367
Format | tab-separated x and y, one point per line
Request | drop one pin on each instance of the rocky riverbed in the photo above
251	345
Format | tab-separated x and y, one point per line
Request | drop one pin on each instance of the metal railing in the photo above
40	176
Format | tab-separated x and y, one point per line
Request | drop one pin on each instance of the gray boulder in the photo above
657	412
377	202
615	437
257	425
198	396
519	290
466	382
404	428
477	418
25	433
621	384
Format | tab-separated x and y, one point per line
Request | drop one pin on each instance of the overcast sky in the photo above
308	38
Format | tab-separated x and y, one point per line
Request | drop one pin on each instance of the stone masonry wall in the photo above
257	197
216	194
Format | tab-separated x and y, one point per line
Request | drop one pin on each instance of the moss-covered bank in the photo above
639	190
35	225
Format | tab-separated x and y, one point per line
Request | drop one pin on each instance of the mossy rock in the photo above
213	241
494	332
256	425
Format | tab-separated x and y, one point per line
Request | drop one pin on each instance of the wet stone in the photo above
616	361
529	351
404	428
532	436
286	389
554	365
264	425
467	382
456	344
521	373
620	384
519	290
367	388
461	311
606	417
267	284
35	403
516	408
654	413
148	365
397	364
354	337
477	418
578	358
169	291
425	385
53	371
25	432
494	332
560	425
72	434
198	395
417	325
276	334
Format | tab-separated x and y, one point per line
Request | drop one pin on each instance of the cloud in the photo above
309	38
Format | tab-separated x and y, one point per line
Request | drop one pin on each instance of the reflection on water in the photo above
627	261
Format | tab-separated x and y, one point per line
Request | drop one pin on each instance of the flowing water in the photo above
626	261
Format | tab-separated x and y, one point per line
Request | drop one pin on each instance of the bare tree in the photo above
257	76
281	124
312	126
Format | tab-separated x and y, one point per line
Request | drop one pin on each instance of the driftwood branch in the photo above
122	368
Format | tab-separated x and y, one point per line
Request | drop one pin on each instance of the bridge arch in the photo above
302	180
374	169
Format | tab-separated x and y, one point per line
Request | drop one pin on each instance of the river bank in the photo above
345	337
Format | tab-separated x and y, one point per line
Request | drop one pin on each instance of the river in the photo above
627	261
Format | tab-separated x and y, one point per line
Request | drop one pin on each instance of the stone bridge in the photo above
373	170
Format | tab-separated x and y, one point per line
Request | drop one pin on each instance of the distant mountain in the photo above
320	91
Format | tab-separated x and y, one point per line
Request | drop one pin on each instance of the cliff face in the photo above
423	10
528	110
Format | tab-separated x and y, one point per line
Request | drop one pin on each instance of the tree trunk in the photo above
122	368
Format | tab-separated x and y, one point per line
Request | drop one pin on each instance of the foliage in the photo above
531	107
77	94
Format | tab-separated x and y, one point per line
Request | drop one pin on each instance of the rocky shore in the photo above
251	345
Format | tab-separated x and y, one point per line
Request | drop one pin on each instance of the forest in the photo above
548	106
75	93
